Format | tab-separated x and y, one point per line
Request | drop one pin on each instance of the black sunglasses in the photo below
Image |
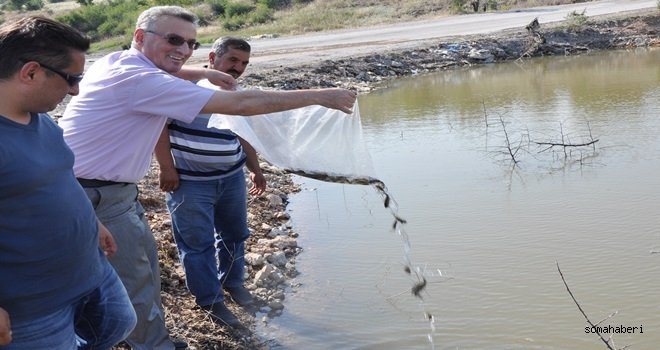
71	79
176	40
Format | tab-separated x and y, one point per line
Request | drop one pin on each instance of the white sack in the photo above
309	141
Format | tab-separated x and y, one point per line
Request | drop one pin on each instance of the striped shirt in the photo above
201	153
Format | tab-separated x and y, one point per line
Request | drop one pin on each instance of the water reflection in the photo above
592	82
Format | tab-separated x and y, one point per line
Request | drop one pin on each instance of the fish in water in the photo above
419	287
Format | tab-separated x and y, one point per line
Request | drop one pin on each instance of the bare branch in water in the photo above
593	326
512	153
560	144
483	104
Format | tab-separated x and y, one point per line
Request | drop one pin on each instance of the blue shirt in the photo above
49	242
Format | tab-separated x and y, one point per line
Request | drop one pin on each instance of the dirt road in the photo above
305	49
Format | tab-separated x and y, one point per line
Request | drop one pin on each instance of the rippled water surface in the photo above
488	235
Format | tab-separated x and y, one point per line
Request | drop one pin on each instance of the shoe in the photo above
222	315
179	344
240	295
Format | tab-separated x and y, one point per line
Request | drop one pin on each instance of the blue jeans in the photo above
136	261
98	320
209	218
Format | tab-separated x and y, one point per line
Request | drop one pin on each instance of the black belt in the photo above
98	183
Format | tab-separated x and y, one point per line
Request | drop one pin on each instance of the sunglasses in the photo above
176	40
71	79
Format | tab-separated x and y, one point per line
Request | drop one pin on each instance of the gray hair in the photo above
153	14
222	45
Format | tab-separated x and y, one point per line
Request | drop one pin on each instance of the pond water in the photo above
487	234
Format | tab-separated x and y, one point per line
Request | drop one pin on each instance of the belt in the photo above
98	183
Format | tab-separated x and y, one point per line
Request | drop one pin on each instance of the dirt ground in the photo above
267	212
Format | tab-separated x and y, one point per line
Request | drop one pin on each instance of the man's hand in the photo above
106	241
168	179
221	79
5	328
340	99
258	184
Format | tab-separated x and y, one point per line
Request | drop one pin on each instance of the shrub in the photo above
274	4
32	5
217	6
25	5
107	19
233	23
182	3
457	5
236	9
261	14
240	14
492	5
205	17
575	20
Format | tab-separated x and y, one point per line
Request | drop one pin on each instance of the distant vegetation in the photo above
116	18
110	23
576	20
19	5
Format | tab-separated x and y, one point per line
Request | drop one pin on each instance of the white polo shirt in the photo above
113	125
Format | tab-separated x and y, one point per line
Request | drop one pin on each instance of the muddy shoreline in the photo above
368	72
272	247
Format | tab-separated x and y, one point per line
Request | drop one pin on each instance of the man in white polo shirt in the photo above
114	123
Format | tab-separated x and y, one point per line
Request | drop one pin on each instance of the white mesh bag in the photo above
313	141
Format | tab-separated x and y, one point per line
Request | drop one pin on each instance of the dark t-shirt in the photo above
49	253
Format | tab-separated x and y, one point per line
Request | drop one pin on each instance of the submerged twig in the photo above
512	153
607	343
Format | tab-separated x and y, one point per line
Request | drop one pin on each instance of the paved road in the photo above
287	51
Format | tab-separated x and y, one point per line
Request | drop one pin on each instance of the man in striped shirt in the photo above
202	173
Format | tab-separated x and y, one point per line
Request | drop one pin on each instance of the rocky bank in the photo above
272	248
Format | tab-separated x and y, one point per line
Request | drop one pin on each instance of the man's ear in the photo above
138	37
211	58
27	71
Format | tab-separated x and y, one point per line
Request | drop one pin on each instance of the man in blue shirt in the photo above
58	289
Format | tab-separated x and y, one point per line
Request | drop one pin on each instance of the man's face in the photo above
155	46
56	88
232	62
